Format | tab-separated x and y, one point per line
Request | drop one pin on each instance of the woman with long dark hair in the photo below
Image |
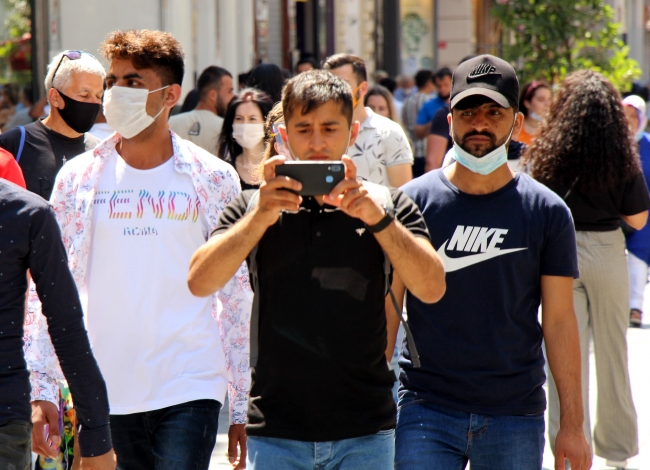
267	78
586	153
241	142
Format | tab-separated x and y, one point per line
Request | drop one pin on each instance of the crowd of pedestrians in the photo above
484	235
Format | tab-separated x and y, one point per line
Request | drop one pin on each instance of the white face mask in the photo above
126	110
535	117
248	136
487	163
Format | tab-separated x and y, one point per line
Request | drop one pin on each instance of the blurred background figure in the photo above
22	116
267	78
202	125
534	102
380	100
379	75
242	138
638	241
585	153
442	80
406	86
305	64
381	151
410	109
8	103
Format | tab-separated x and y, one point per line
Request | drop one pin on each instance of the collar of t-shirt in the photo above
369	123
56	135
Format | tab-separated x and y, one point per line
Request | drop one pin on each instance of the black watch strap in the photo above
382	224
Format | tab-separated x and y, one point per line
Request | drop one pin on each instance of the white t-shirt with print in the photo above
157	345
381	143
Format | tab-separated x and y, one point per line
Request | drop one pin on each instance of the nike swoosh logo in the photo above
454	264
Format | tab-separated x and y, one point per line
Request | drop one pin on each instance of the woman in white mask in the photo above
241	142
534	101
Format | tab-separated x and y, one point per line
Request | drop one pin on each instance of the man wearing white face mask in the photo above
507	243
149	201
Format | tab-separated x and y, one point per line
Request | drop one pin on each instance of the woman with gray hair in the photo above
75	84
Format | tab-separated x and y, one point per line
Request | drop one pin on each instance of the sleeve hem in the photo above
95	442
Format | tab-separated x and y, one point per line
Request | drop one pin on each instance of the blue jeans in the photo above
431	437
375	452
180	437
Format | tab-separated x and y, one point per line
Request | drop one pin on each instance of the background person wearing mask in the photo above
638	242
381	151
203	124
381	102
241	142
534	102
75	85
585	152
431	107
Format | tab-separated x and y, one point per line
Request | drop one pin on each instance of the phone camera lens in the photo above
336	168
329	178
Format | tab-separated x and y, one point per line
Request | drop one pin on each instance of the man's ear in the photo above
213	96
449	122
55	99
173	96
283	133
354	133
519	124
363	90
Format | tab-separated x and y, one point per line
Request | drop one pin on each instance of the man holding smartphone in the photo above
321	392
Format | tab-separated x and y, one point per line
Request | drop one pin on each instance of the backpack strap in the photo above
22	143
252	272
383	196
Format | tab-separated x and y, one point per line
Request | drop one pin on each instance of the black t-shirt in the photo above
481	345
30	240
440	126
321	374
601	211
44	153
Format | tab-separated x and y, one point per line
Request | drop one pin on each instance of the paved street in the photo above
639	352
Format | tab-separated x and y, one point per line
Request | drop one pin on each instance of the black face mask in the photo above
78	115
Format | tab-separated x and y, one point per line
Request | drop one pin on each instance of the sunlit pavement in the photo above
639	362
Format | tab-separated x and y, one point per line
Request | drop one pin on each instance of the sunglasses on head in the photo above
71	55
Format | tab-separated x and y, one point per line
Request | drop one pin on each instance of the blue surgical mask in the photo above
535	117
486	164
639	134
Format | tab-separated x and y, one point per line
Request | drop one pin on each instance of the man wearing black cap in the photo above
508	243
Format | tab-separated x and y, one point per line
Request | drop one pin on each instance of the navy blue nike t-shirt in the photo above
481	344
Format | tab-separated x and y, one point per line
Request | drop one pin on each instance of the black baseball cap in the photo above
488	76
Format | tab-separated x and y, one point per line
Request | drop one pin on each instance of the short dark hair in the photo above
210	79
444	72
339	60
147	49
422	77
307	60
312	89
389	84
267	78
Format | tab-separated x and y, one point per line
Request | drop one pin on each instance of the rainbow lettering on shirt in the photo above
156	206
117	199
180	205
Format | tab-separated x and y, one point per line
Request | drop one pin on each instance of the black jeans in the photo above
16	445
180	437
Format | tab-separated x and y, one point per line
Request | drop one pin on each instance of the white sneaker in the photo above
622	464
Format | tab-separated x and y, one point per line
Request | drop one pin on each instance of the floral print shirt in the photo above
216	184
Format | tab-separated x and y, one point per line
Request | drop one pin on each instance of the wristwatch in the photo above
383	223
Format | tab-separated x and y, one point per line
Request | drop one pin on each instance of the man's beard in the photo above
222	108
475	150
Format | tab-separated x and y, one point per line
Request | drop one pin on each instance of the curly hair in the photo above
147	49
585	141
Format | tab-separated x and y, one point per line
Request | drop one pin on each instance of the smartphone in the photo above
317	178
